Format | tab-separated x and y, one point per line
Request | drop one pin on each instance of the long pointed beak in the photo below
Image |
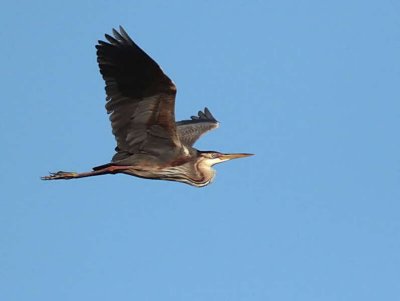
226	157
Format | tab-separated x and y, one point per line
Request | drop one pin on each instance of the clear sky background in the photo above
311	87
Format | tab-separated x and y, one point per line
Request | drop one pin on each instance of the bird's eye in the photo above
214	155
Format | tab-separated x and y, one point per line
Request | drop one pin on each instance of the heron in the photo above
140	101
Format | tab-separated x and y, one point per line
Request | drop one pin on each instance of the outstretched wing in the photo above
140	97
189	131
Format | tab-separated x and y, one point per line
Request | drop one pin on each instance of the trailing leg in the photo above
66	175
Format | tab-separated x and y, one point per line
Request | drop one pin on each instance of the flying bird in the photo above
140	101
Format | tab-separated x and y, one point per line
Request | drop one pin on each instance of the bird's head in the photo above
203	166
211	158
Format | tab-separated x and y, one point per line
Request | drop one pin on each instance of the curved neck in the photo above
205	173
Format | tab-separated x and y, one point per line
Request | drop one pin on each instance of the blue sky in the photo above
310	87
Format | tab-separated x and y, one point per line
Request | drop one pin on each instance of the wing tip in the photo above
117	38
204	116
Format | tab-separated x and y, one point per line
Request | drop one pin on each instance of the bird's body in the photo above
185	167
141	103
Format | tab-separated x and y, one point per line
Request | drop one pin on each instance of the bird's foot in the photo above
60	175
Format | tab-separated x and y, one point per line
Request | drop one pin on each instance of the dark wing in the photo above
140	97
189	131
